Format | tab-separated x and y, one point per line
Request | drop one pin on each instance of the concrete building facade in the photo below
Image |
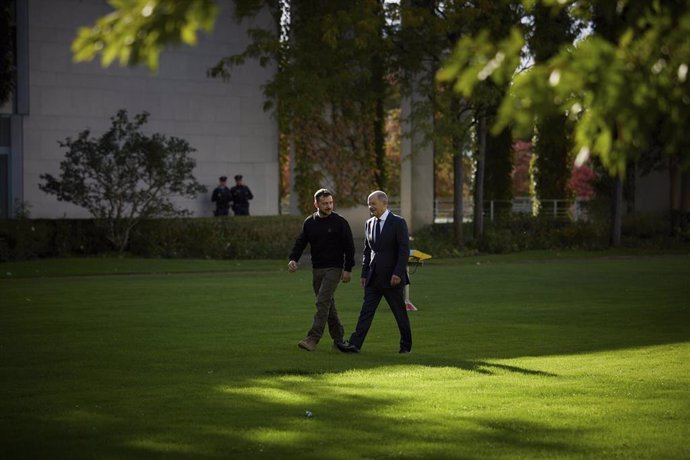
57	98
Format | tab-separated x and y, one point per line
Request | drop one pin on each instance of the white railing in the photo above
557	209
573	210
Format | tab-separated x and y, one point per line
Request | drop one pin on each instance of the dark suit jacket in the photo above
389	254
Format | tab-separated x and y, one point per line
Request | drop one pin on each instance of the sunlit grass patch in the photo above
548	359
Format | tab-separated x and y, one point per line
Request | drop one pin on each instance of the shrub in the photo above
437	240
646	226
271	237
125	176
252	237
22	239
514	233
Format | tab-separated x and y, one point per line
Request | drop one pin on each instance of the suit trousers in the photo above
395	296
325	281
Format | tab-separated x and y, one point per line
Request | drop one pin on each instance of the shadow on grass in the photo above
266	419
208	367
480	367
261	413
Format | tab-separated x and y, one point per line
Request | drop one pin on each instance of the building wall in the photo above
223	121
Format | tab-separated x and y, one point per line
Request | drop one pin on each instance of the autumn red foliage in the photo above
580	183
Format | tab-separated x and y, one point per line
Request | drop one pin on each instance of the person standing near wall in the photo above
332	258
240	197
221	197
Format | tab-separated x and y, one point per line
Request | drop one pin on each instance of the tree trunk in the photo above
479	181
673	208
553	133
458	198
617	212
684	201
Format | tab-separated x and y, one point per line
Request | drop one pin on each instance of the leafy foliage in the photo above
581	180
616	92
327	92
338	150
334	74
553	28
620	93
124	175
138	30
254	237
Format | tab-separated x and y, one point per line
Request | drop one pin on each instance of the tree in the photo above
428	31
332	88
327	92
500	17
499	166
553	28
137	31
124	176
618	86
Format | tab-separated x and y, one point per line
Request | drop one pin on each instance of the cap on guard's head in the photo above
238	177
223	178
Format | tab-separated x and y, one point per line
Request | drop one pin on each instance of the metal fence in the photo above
573	210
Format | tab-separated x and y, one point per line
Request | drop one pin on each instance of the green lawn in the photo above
514	357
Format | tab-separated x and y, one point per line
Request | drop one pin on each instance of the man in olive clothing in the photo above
332	258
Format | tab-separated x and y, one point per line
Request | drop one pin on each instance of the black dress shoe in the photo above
404	352
347	347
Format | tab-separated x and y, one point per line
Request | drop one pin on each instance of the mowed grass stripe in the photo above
560	358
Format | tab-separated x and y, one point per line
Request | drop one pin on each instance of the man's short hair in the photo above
321	193
379	195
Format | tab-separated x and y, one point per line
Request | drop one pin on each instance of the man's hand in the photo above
363	282
292	266
346	277
395	280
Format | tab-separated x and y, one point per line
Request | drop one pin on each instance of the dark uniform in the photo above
240	198
222	197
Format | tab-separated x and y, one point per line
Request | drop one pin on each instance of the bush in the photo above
646	226
22	239
520	233
498	241
260	237
437	240
252	237
124	176
271	237
514	233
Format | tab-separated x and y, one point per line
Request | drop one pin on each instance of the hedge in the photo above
251	237
515	233
271	237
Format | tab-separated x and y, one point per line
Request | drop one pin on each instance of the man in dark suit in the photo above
384	272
